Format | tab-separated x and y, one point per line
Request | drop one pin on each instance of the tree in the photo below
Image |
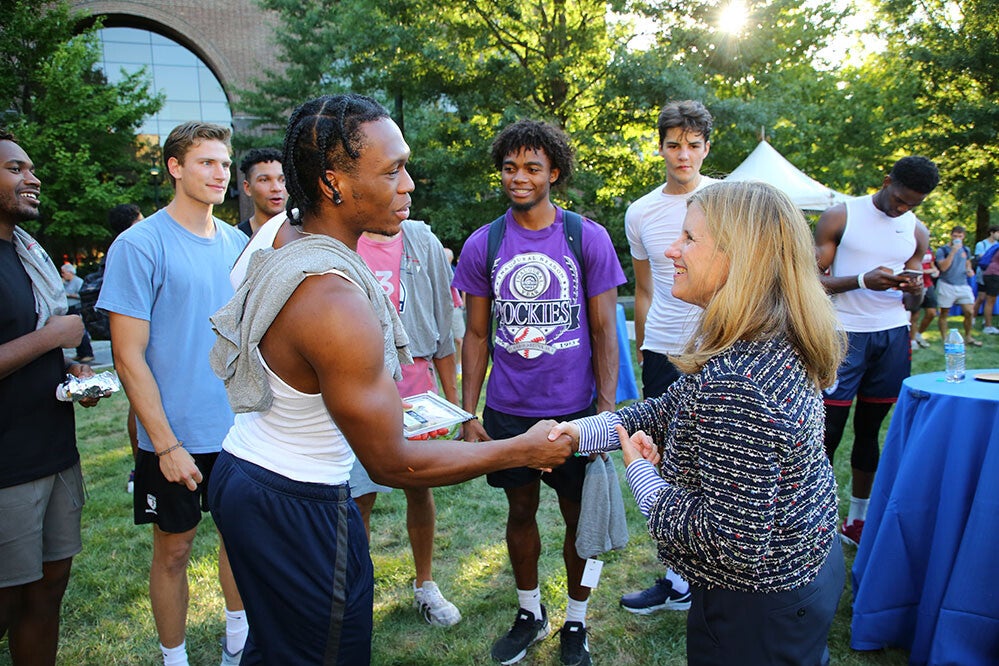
78	128
952	49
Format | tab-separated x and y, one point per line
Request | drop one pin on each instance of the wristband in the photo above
860	282
178	445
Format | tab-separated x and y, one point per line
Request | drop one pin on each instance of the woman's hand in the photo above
567	428
638	446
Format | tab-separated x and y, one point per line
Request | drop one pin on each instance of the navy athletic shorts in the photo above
300	558
875	366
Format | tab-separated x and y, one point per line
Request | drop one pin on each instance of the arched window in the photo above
191	89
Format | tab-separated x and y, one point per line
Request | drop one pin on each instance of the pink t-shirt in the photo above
384	259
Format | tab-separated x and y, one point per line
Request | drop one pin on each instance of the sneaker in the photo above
575	648
435	609
991	330
525	632
914	345
228	658
130	486
851	533
922	342
661	596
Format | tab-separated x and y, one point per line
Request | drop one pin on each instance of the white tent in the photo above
769	166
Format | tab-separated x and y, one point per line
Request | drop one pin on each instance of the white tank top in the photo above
295	438
872	239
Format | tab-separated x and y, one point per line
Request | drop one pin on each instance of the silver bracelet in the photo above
179	444
860	282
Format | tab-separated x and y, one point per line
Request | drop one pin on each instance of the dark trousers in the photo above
790	628
85	350
657	374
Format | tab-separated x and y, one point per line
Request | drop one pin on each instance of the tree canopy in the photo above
78	129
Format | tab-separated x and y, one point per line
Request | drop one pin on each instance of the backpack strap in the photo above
496	230
572	225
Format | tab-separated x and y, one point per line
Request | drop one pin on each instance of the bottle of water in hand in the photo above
954	353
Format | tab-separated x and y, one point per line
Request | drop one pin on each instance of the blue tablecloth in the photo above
627	388
926	575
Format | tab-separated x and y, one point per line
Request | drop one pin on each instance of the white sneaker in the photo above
436	610
991	330
913	345
921	341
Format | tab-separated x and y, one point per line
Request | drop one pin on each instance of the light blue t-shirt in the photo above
161	272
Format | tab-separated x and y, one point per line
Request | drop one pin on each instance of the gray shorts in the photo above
458	324
361	483
953	294
39	522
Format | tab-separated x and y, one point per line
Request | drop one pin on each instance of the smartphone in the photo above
909	273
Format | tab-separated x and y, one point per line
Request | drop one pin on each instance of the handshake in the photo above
554	442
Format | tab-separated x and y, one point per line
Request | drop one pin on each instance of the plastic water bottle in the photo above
954	353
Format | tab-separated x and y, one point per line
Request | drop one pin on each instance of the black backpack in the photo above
96	321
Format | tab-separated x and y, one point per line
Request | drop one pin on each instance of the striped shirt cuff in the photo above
597	434
645	484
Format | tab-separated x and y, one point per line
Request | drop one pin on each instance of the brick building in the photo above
231	39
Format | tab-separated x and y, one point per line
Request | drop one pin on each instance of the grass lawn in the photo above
107	621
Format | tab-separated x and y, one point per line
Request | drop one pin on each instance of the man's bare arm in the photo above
644	290
58	332
474	360
447	373
828	233
602	311
129	337
349	367
913	289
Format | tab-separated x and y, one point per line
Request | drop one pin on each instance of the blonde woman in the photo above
743	504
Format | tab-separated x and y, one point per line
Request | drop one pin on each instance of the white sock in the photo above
575	611
858	510
530	600
236	630
679	584
175	656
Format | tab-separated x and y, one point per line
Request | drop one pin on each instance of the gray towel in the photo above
602	524
46	284
271	277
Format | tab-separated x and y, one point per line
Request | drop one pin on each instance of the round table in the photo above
926	575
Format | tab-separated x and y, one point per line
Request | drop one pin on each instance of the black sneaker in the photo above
526	631
661	596
574	649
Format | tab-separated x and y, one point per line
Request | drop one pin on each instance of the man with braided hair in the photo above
554	348
311	393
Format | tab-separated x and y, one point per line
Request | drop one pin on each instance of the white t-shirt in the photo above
652	223
264	238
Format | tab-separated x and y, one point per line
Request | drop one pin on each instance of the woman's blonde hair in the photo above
773	289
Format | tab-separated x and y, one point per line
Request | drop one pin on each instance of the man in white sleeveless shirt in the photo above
863	246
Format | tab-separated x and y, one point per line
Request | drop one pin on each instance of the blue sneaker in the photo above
661	596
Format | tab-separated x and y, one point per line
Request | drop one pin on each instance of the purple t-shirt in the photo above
542	364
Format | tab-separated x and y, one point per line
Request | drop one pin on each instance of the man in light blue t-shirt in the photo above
162	281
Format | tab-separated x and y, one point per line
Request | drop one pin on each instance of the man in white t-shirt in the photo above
663	323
